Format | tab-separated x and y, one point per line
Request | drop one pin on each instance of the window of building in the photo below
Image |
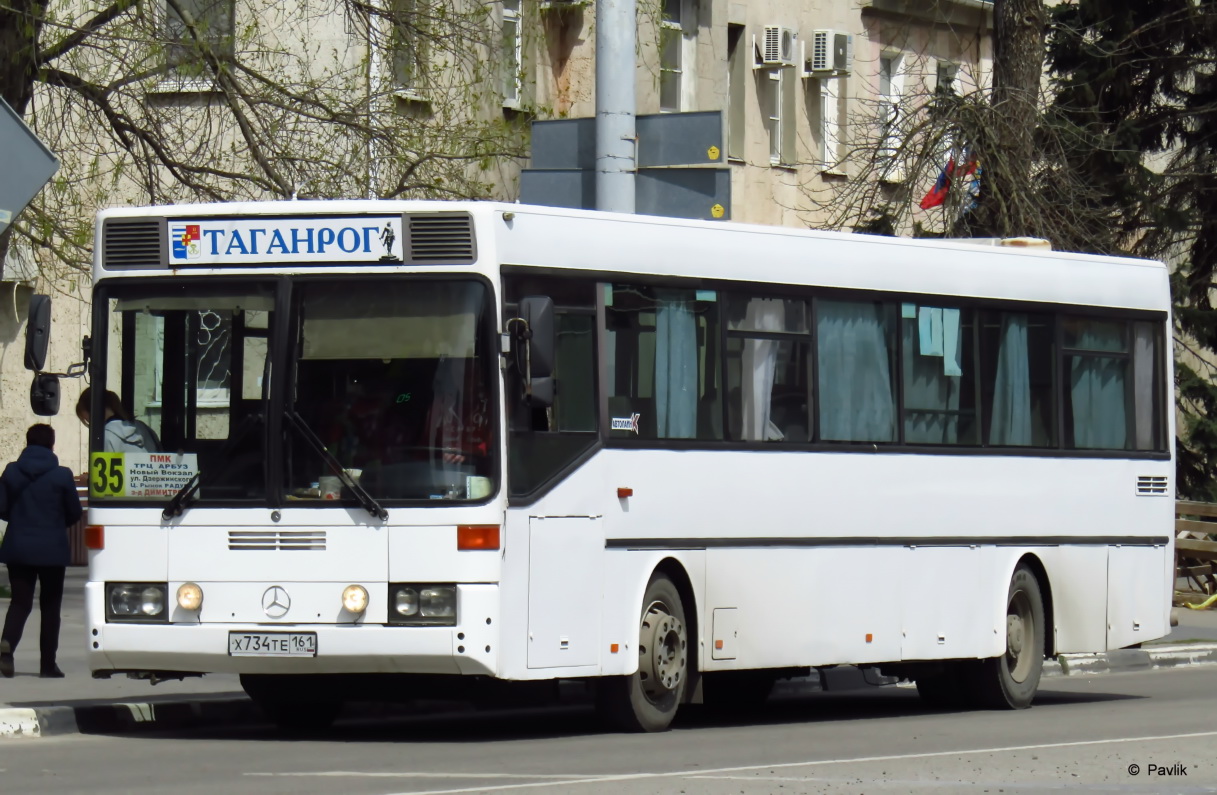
406	45
199	26
737	74
891	89
513	54
832	117
662	363
677	52
771	85
777	91
947	78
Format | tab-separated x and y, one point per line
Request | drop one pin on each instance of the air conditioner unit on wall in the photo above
778	47
832	54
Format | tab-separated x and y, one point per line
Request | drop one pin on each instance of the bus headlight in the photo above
422	605
405	602
136	601
189	596
355	599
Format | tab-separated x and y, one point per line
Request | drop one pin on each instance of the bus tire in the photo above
1010	681
646	701
291	708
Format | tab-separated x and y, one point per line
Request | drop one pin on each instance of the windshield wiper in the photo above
178	503
368	502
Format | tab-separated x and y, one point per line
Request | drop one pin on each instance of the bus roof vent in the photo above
435	238
133	243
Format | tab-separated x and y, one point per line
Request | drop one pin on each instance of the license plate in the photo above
272	644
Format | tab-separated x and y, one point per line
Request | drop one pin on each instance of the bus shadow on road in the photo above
465	724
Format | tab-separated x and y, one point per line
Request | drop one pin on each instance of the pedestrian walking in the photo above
38	500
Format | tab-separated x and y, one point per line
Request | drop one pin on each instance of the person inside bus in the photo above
124	433
436	431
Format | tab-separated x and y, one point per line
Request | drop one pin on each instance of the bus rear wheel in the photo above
647	700
1010	681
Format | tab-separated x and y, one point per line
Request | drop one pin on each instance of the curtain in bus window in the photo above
932	375
1146	414
759	360
854	381
1097	389
675	365
1012	389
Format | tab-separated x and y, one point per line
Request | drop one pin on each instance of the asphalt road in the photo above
1083	734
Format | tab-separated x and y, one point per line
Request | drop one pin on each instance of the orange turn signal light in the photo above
95	536
623	492
477	536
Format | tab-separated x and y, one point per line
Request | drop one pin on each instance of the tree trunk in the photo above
1018	61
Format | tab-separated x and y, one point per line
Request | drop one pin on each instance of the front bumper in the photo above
470	647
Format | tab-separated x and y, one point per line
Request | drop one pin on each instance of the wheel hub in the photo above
662	652
1014	636
1020	629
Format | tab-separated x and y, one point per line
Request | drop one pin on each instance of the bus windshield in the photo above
390	374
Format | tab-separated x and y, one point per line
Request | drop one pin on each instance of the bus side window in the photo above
663	377
544	442
767	370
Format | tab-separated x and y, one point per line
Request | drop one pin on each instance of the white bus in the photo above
412	446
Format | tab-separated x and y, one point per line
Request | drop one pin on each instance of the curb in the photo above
129	717
120	717
1144	659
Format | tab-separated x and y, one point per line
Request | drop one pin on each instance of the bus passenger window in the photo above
767	370
1096	380
854	348
1016	355
663	380
938	356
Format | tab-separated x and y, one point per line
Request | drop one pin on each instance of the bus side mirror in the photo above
38	333
44	394
541	341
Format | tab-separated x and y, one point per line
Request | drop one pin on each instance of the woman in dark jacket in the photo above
38	500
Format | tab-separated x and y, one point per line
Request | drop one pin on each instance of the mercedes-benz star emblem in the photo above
276	602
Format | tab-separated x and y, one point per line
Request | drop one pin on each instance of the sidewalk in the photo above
31	707
34	707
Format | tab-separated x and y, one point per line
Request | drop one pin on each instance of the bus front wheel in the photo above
646	701
1010	681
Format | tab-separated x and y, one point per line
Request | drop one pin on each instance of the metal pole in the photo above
616	35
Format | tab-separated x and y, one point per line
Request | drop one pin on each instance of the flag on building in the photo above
942	186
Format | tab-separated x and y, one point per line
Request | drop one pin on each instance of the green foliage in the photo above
1136	102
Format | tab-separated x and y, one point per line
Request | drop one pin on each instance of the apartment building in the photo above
357	99
814	94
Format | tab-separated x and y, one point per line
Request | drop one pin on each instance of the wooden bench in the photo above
1195	550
